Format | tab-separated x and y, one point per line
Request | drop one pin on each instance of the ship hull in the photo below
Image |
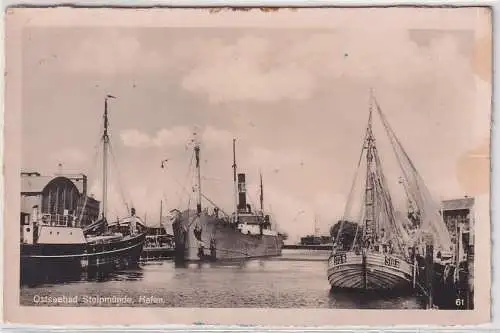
219	240
370	271
59	260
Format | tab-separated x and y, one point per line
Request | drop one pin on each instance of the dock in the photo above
157	253
307	247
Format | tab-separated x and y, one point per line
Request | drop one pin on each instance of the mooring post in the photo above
470	277
413	259
429	270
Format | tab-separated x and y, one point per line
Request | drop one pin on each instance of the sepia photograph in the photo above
249	159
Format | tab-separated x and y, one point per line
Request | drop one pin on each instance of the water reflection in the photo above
75	276
274	282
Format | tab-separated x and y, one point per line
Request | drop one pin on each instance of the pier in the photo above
307	247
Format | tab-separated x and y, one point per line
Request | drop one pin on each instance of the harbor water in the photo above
297	279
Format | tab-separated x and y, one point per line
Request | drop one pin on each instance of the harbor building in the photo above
61	199
458	214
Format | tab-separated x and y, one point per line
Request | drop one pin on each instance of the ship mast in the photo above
161	212
198	185
369	236
235	180
261	193
105	143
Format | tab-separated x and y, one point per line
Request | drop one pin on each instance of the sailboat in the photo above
382	252
53	245
200	235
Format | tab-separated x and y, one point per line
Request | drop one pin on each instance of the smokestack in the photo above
242	193
34	214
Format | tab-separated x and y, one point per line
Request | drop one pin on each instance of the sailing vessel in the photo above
56	244
200	235
382	252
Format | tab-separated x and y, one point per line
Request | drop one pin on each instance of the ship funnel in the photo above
242	193
34	214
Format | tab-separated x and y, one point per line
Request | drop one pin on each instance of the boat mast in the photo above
369	188
261	193
235	180
161	211
198	185
105	143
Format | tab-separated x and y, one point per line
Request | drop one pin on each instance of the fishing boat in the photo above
55	244
200	235
382	250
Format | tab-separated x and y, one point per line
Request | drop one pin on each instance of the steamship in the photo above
54	244
201	235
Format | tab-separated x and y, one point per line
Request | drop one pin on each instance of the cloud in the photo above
214	136
278	160
111	53
172	137
237	72
175	136
135	138
271	68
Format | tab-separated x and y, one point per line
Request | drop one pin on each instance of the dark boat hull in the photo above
60	260
219	240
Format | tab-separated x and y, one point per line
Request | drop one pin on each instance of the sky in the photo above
296	100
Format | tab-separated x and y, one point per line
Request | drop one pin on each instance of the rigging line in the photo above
186	178
385	207
398	149
440	229
399	235
111	150
397	144
393	139
360	217
389	129
189	193
384	189
210	201
203	195
96	162
250	198
353	185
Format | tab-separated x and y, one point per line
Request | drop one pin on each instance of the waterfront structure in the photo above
53	243
58	196
458	214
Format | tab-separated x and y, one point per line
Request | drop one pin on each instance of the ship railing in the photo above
57	220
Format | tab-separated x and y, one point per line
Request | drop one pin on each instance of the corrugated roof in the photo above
456	204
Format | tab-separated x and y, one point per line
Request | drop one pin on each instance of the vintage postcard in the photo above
261	167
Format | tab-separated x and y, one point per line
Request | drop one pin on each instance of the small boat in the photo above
380	250
159	244
54	245
201	235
